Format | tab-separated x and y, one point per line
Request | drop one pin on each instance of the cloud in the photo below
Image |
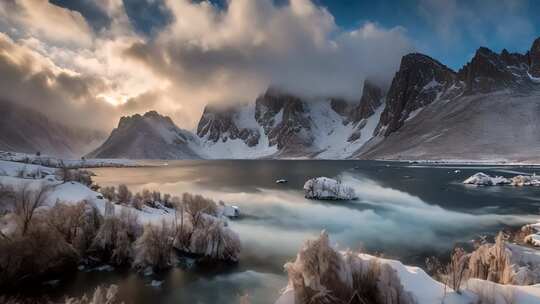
213	55
204	54
45	20
33	81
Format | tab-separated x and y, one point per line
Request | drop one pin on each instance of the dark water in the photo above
406	211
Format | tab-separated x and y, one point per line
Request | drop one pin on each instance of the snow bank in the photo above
482	179
55	162
533	79
328	272
325	188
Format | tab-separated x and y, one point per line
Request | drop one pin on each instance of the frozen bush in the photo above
124	196
33	254
137	201
109	193
115	236
320	274
101	296
154	247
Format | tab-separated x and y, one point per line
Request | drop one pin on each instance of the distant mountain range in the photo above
488	110
28	131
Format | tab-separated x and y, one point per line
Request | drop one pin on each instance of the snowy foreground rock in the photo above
482	179
324	188
322	274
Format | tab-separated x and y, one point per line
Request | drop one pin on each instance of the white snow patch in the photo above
331	135
533	79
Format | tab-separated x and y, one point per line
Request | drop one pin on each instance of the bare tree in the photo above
124	196
28	200
154	247
137	201
109	193
63	172
196	205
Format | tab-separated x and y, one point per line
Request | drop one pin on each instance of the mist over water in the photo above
404	211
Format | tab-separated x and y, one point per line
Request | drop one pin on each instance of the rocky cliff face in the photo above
419	81
148	136
285	120
489	71
429	110
222	124
485	111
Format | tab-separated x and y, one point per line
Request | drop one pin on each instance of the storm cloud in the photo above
90	72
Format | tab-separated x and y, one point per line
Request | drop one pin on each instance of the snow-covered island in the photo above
324	188
482	179
57	220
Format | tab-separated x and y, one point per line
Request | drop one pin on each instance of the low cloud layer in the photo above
57	61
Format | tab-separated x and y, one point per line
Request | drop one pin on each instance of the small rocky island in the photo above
324	188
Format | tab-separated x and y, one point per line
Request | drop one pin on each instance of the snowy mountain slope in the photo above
148	136
280	125
495	126
25	130
486	111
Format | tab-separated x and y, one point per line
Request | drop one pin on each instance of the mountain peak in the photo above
147	136
419	81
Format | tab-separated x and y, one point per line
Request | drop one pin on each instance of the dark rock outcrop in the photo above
221	124
419	81
489	71
285	120
371	99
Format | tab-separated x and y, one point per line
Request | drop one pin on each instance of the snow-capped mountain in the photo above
486	110
148	136
281	125
28	131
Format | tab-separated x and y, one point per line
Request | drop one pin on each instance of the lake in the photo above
406	211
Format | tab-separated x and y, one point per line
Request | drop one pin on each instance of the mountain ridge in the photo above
426	103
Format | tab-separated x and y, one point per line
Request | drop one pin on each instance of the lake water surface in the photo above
407	211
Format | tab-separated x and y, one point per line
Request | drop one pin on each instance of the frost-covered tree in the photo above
154	247
109	193
137	201
116	235
124	196
27	200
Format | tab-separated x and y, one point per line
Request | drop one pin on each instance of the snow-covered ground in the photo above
74	192
331	135
414	280
51	161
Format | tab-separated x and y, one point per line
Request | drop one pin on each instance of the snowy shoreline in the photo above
55	162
